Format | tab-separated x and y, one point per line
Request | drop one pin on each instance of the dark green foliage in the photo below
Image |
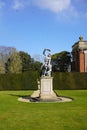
36	66
26	61
61	61
24	81
70	80
28	81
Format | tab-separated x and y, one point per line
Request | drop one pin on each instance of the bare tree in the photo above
5	53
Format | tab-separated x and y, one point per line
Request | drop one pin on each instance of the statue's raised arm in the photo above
47	67
44	52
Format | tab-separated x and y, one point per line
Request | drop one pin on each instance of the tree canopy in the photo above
61	61
26	60
14	63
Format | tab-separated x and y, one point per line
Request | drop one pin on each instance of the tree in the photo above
38	58
2	68
36	66
14	63
5	53
61	61
29	63
26	61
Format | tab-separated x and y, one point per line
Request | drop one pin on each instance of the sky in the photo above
32	25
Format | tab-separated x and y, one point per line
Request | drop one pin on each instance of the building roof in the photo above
81	44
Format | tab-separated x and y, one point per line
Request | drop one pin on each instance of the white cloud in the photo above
64	8
53	5
19	4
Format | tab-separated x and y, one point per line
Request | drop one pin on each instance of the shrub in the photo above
24	81
28	81
71	80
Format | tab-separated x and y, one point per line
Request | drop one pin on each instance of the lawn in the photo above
15	115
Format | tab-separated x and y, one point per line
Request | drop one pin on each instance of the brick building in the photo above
79	56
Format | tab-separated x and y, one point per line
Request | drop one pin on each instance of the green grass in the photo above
15	115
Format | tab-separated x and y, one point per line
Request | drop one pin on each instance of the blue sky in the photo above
32	25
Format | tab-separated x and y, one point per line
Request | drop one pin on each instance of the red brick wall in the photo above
82	61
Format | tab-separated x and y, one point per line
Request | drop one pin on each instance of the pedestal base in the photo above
46	88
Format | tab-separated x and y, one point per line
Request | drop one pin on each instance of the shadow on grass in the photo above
19	95
63	96
26	97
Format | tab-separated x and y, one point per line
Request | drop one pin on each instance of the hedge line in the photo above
70	81
24	81
28	81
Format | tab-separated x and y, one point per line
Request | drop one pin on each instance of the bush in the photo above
24	81
71	80
28	81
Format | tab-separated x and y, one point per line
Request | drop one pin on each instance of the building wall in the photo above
82	61
75	62
85	61
79	54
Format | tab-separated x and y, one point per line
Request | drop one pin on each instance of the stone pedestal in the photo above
46	88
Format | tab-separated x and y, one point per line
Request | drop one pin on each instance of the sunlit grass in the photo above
15	115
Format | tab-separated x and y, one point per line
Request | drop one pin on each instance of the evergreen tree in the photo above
26	61
61	61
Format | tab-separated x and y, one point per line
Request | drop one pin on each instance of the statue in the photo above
46	67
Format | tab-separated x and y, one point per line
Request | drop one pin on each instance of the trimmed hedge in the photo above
24	81
28	81
65	81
